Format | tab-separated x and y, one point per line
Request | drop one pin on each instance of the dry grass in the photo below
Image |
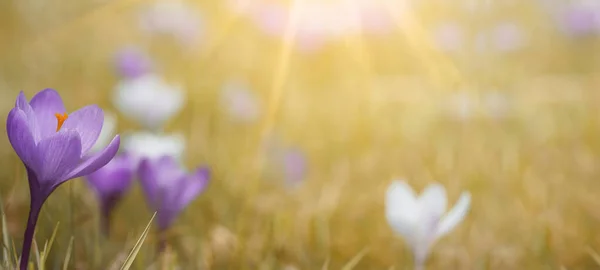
365	111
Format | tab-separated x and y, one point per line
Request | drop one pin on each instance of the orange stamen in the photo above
61	120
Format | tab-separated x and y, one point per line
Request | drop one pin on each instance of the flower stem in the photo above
34	211
107	205
420	259
105	222
162	241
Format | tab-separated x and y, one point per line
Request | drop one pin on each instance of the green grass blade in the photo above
6	239
352	263
16	256
326	264
38	256
131	257
593	254
68	256
48	245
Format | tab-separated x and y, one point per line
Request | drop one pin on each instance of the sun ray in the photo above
440	66
281	69
357	43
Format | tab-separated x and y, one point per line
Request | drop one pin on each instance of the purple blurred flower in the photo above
132	63
110	184
294	166
169	188
287	164
54	147
580	21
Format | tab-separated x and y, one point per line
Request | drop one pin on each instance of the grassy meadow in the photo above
364	109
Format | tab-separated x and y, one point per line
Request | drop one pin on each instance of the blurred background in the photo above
306	110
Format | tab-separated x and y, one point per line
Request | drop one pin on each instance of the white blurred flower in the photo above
149	145
173	18
422	220
449	36
477	5
507	36
497	105
108	131
239	101
462	106
149	100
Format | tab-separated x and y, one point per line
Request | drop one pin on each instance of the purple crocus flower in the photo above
110	184
54	148
132	63
169	189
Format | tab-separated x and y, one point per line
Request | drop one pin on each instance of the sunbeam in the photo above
440	66
281	70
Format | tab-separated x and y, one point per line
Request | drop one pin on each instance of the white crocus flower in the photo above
108	131
149	100
149	145
422	220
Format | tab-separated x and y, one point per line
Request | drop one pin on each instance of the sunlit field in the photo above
305	112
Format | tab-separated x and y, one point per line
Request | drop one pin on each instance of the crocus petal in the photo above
433	200
20	137
176	197
58	154
148	181
87	121
456	215
46	104
195	184
22	104
115	177
401	208
169	172
98	160
108	130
